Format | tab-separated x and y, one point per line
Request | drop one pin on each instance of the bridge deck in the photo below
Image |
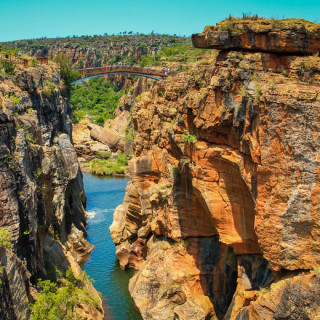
122	69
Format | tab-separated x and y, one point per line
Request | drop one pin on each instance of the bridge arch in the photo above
89	73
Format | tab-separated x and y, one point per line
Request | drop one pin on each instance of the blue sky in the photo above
22	19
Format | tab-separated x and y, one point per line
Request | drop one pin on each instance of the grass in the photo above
185	243
108	167
103	154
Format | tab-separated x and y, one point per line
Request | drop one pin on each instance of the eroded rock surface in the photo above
42	199
290	36
226	154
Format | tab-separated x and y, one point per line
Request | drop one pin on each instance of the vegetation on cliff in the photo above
97	98
108	167
130	46
5	238
68	75
59	300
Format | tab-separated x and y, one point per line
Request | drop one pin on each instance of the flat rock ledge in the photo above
289	36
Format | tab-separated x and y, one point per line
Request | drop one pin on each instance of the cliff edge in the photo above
221	216
42	199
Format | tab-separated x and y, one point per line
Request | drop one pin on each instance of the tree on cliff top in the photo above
68	74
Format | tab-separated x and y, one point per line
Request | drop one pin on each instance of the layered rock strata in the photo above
42	199
221	214
289	36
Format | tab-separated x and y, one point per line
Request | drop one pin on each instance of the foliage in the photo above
185	243
244	93
122	160
34	62
48	88
107	167
37	173
144	44
257	92
5	238
103	154
7	159
9	68
265	290
189	138
129	134
67	74
316	271
175	171
60	303
15	101
179	52
97	98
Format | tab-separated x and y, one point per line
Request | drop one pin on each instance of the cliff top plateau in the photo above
287	36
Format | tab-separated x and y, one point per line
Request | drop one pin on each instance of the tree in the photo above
66	72
59	303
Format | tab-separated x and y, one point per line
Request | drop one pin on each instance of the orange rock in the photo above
282	36
250	179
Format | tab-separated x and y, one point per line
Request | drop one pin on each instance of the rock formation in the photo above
90	139
94	51
221	214
289	36
42	199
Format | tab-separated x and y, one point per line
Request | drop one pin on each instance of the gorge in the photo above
220	217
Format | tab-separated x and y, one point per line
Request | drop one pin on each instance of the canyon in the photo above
221	217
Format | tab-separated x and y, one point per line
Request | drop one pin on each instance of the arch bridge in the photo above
89	73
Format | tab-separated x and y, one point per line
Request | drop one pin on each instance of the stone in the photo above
248	179
289	36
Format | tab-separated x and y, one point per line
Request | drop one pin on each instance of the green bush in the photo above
5	238
122	160
9	68
189	138
67	74
60	303
15	101
48	88
34	62
108	167
97	98
103	154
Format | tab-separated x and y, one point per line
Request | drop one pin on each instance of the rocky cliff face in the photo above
41	191
221	214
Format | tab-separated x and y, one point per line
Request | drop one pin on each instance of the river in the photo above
104	195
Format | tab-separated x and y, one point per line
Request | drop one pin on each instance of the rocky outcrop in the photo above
90	140
290	36
42	199
223	200
14	287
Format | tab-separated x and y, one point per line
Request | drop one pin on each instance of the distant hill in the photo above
93	51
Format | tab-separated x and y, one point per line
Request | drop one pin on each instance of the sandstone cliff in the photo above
42	199
221	216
